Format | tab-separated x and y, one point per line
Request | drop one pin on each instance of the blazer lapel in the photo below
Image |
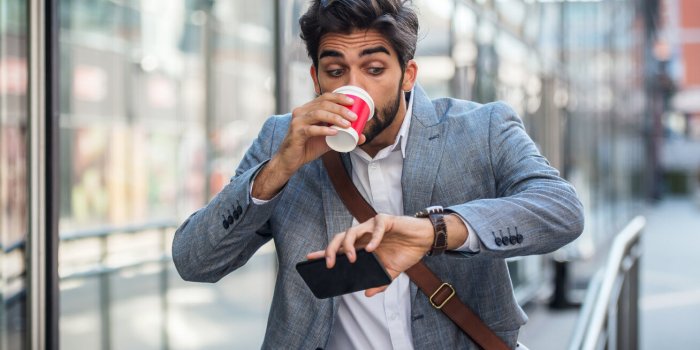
426	143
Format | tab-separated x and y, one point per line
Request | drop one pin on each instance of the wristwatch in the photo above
435	214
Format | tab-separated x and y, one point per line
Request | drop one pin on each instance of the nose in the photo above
355	78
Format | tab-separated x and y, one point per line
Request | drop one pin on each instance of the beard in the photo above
383	118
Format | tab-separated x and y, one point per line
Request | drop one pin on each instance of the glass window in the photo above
436	67
513	14
297	87
487	62
14	174
464	51
512	73
159	101
604	157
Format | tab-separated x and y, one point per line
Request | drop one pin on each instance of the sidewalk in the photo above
670	280
669	286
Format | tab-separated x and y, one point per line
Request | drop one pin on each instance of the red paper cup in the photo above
347	138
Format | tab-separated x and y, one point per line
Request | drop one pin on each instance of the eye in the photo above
375	70
334	72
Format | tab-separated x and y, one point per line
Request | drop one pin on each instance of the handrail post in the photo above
632	292
165	341
610	317
105	312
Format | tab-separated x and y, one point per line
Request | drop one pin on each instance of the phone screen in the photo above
345	277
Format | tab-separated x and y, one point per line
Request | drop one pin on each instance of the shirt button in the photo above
393	317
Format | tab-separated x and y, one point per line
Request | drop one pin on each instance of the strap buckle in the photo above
446	299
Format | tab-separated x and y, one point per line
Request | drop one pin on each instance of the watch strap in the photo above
436	216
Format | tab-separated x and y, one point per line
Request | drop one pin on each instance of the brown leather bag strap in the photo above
441	295
348	193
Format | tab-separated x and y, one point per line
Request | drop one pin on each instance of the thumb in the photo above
362	139
376	290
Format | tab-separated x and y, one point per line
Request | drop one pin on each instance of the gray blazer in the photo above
475	160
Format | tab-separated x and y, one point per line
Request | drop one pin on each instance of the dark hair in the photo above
393	19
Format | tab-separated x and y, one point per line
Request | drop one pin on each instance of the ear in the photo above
314	77
410	75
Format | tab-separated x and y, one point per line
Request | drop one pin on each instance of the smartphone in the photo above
345	277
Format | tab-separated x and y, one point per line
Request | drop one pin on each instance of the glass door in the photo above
159	99
14	174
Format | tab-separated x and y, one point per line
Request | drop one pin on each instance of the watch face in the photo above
434	209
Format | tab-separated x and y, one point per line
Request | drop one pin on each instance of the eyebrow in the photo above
373	50
330	53
365	52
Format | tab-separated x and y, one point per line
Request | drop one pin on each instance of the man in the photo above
501	197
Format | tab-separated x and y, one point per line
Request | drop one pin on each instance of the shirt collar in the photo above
405	126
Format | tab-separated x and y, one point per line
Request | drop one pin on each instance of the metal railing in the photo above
610	315
103	271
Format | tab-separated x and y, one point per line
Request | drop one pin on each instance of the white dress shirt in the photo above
384	320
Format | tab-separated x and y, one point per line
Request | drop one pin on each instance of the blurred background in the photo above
119	118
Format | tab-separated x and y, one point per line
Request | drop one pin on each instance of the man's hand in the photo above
399	242
305	141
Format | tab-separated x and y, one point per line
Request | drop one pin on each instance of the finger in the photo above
321	116
332	249
316	255
349	245
362	139
319	130
374	291
377	233
337	98
338	109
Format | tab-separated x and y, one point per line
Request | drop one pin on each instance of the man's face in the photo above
367	60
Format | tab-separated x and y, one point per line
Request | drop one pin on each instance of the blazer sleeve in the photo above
535	211
223	235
